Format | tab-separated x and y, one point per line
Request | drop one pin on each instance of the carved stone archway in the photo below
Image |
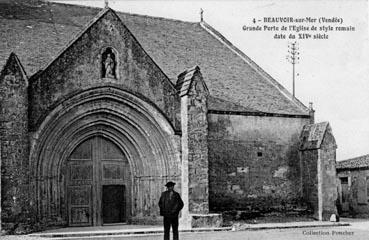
139	130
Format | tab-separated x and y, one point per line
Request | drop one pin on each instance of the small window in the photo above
260	154
344	180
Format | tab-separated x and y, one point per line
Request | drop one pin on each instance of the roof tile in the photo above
312	135
174	45
352	163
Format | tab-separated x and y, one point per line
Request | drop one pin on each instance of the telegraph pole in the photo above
293	58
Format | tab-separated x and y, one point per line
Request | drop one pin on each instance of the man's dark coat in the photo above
170	207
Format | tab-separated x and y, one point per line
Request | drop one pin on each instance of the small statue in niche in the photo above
109	67
109	64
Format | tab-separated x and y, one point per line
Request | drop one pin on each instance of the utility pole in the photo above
293	58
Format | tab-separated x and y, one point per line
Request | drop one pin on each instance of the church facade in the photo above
93	126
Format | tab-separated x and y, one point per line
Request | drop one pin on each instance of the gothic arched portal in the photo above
146	141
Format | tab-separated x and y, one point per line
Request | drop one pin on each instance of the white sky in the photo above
333	73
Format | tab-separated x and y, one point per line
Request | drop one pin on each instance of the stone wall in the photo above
14	143
310	179
254	162
319	180
328	176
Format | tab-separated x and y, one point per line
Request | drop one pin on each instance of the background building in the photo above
353	177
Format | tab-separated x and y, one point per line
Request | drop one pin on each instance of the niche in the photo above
108	64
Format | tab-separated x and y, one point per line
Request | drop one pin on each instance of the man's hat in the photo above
169	184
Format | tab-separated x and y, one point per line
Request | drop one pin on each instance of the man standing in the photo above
170	204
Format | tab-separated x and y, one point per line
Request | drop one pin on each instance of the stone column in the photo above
14	144
195	169
318	158
327	178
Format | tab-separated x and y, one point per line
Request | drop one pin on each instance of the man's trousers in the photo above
171	221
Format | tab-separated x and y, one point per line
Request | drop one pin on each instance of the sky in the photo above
332	73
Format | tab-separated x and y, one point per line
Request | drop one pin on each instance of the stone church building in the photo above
100	109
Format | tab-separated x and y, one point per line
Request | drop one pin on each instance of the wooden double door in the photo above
97	183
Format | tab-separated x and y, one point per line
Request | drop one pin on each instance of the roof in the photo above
312	135
352	163
218	104
185	80
38	32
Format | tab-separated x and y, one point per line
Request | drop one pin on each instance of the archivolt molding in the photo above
137	127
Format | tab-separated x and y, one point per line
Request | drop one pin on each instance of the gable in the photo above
313	136
173	45
190	79
104	53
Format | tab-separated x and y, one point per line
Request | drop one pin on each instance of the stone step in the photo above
74	234
125	232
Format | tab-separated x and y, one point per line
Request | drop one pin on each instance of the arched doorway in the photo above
98	183
142	138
